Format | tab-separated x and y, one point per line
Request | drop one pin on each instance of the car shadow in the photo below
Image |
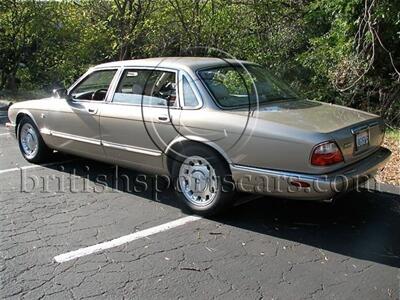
363	225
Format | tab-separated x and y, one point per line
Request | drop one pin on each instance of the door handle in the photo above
163	118
92	110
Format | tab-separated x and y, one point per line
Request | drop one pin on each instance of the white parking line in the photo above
35	166
7	133
124	239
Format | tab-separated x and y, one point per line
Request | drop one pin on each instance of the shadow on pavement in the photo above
362	225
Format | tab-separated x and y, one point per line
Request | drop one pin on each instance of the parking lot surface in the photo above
261	249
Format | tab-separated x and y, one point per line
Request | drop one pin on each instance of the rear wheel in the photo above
204	181
31	143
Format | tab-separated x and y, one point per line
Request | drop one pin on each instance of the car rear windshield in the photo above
237	86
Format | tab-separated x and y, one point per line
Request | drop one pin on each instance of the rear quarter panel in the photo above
248	141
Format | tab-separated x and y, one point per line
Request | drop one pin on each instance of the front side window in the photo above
235	86
147	87
94	86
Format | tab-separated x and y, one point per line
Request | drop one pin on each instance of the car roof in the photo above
193	63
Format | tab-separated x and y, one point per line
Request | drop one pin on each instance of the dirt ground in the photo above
391	173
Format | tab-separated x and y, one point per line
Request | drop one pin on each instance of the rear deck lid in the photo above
312	115
359	140
356	132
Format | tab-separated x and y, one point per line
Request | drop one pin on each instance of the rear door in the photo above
142	118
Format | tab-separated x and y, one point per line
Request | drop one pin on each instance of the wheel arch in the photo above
19	116
23	113
181	142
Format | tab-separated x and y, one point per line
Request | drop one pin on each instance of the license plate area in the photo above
362	140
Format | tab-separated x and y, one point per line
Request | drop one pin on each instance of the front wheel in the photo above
31	143
204	181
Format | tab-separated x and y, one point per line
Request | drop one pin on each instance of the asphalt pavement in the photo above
261	249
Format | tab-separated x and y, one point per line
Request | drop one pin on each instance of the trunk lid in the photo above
370	132
312	116
341	124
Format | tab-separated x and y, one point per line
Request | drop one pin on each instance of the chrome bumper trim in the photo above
322	187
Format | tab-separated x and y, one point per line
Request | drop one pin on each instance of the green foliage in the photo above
354	53
342	51
393	134
236	83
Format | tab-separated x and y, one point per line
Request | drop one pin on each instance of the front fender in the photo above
19	114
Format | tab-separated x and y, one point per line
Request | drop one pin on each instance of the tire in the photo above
203	180
31	143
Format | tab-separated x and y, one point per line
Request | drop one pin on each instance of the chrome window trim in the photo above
138	105
84	75
124	68
191	81
88	73
113	85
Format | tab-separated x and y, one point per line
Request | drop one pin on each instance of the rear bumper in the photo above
320	187
11	128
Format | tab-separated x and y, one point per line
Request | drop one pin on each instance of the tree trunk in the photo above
12	82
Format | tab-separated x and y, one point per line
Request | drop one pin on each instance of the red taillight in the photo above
326	154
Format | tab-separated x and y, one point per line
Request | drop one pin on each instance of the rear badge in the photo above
347	145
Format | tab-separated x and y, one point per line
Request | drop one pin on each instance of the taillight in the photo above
326	154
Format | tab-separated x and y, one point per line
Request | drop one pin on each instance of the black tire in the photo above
43	153
226	189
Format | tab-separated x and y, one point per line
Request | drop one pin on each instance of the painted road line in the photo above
124	239
34	166
7	133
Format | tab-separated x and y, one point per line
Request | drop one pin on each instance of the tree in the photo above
127	25
17	38
354	54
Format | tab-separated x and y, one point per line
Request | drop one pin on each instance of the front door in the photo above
142	118
73	125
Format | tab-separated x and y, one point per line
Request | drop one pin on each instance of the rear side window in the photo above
189	97
146	87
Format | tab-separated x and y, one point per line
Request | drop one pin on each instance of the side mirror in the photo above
60	93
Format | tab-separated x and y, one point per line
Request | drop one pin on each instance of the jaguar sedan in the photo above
215	126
